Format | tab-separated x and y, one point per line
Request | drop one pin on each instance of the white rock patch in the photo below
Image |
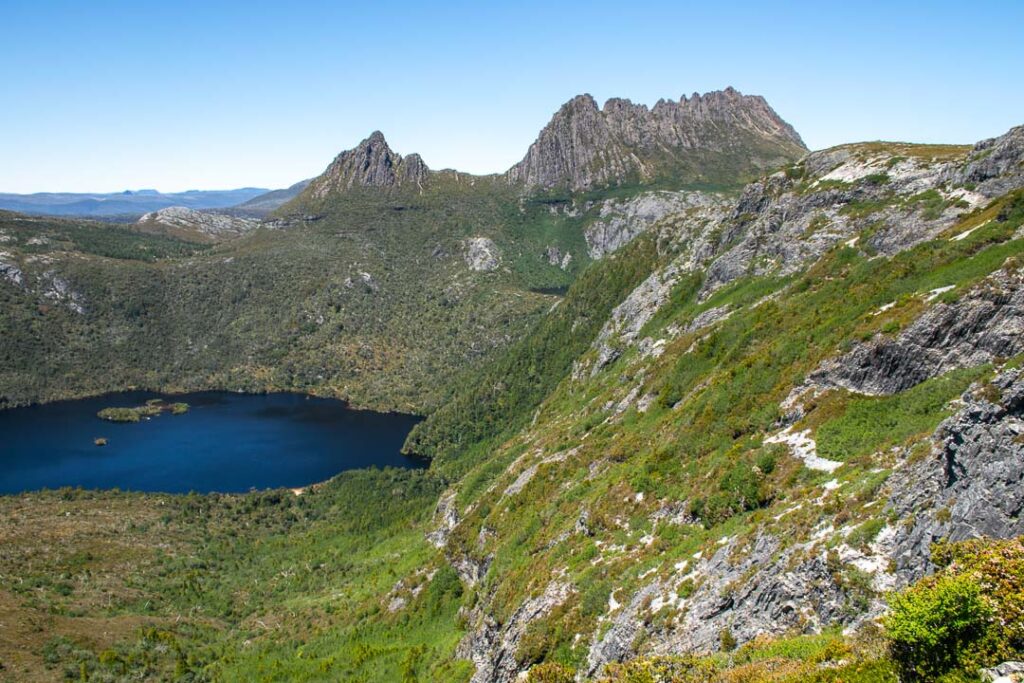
938	291
803	447
884	308
482	254
967	233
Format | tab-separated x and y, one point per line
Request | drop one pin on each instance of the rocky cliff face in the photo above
715	137
987	323
970	484
372	164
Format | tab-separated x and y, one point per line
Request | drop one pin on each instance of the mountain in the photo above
126	203
269	201
371	164
684	420
719	137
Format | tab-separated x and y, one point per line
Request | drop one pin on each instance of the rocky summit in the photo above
371	164
716	137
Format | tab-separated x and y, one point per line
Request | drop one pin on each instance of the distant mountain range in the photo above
269	201
129	202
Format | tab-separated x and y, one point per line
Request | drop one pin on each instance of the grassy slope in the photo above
173	585
719	393
274	587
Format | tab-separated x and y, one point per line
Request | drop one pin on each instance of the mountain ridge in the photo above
584	146
721	137
125	203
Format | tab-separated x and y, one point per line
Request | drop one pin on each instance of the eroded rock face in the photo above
371	164
212	224
764	592
787	220
493	648
629	317
57	289
995	164
482	254
10	271
446	518
700	216
584	147
986	323
620	222
972	484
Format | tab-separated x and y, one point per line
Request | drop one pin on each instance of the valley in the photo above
699	404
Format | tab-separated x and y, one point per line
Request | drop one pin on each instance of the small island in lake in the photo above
152	408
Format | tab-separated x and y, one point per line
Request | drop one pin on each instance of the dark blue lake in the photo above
227	442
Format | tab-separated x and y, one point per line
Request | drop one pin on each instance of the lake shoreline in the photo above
179	390
227	442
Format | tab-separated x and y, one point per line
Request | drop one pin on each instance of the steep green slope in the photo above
658	500
499	398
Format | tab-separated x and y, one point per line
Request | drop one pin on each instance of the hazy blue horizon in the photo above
109	96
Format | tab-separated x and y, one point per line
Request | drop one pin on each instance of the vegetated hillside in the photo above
796	394
752	424
377	305
379	283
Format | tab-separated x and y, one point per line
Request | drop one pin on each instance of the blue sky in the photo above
104	96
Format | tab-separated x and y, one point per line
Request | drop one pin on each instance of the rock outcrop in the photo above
494	647
10	271
972	484
619	222
986	323
995	164
182	220
904	194
482	254
371	164
704	138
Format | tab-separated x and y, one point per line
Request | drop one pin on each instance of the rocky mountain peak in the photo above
721	136
372	163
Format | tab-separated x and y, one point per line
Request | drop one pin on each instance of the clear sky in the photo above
104	96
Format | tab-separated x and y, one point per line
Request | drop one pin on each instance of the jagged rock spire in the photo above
372	163
712	137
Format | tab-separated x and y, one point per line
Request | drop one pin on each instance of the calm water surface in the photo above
227	442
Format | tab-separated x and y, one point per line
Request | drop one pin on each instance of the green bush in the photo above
551	672
969	615
932	624
119	415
